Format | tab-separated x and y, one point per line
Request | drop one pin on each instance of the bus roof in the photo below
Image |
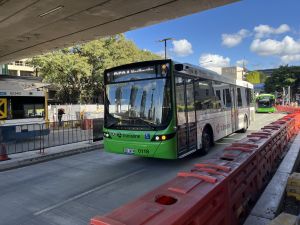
188	69
198	71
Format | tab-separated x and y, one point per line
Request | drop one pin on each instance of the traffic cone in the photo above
3	153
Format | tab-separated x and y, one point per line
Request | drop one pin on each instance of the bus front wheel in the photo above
206	141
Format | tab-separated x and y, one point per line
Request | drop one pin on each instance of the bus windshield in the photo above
265	102
140	104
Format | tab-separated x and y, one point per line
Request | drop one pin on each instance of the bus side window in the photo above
239	97
228	98
248	96
204	95
224	98
217	86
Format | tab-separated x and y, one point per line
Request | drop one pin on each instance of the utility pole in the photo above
165	41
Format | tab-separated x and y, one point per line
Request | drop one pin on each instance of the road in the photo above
71	190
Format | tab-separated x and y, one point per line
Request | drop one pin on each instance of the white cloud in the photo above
287	46
241	62
287	49
231	40
290	58
262	30
182	47
214	62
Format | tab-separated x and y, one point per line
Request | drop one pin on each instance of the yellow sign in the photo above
3	108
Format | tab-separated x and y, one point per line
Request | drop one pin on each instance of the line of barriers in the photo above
217	191
288	109
39	136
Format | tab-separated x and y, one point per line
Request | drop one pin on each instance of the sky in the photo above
260	34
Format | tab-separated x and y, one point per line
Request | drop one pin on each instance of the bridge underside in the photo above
31	27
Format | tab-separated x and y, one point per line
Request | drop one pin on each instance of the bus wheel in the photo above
245	125
206	141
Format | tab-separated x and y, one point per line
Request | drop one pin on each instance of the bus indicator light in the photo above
163	137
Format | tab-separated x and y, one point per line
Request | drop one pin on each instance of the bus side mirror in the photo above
178	67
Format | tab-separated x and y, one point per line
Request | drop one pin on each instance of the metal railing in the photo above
39	136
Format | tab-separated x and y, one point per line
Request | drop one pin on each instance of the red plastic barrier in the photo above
216	191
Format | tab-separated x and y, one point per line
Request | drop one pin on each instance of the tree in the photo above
68	72
255	77
284	76
93	57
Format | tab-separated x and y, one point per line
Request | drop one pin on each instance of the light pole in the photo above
165	41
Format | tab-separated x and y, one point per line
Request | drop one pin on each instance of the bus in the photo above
265	103
23	107
165	109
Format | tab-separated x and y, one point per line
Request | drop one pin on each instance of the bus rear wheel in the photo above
245	125
206	141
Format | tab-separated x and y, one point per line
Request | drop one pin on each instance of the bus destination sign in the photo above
132	74
149	69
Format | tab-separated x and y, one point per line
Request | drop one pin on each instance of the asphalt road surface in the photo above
71	190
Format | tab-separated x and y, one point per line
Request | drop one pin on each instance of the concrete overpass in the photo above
31	27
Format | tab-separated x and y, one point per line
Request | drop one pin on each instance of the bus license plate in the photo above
129	151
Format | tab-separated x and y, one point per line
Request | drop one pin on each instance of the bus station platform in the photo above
33	157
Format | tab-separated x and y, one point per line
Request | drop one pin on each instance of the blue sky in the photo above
266	33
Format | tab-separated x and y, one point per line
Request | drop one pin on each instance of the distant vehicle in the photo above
169	110
23	107
265	103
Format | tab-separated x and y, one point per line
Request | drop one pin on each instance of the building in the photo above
233	72
20	68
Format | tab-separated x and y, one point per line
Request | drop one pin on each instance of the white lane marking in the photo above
87	192
232	138
223	143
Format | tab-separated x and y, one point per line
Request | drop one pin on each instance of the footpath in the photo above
33	157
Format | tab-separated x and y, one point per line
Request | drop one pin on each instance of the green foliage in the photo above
255	77
78	71
284	76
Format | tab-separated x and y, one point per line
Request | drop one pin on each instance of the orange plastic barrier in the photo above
216	191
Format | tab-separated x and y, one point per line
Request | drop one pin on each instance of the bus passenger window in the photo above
228	98
204	96
239	97
224	98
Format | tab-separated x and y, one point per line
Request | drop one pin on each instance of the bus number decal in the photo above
143	151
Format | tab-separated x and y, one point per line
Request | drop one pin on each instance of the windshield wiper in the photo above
145	122
112	124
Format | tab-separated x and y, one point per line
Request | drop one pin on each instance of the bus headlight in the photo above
106	134
163	137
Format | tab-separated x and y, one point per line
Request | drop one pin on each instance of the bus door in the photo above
191	114
186	122
234	112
